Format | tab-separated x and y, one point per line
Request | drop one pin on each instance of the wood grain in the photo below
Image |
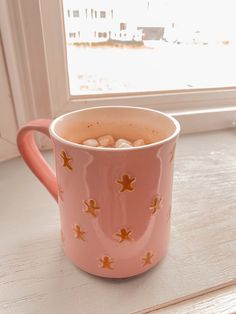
36	277
221	301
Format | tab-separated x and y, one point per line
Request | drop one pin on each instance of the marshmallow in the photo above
121	141
139	142
124	145
91	142
106	140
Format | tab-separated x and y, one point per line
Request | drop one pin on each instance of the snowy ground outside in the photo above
164	67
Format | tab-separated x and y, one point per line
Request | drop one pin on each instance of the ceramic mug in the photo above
115	203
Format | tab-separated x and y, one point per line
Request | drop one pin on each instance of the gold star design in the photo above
106	262
91	207
79	234
126	183
124	235
147	259
172	153
66	160
155	204
60	192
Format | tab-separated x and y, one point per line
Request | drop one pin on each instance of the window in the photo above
102	14
42	75
173	45
123	26
102	35
75	13
72	35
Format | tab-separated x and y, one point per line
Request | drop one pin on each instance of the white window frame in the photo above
8	125
36	58
25	59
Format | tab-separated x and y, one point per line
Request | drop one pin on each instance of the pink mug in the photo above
115	203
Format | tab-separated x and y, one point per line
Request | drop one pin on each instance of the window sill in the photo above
201	256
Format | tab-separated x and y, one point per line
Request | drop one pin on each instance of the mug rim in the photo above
54	134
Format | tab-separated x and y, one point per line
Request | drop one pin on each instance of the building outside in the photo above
91	21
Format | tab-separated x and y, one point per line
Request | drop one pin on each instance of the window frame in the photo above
8	124
46	84
22	41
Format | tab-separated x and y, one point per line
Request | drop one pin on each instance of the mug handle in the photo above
32	156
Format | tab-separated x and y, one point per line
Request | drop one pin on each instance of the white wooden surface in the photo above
35	276
221	301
